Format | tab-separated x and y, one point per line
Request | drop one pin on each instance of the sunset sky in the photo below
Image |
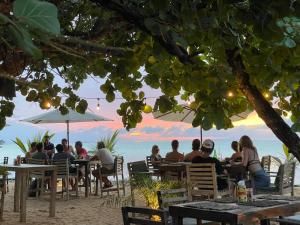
149	129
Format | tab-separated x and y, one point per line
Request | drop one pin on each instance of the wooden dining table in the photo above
232	213
22	172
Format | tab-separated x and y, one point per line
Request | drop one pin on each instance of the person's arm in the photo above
245	158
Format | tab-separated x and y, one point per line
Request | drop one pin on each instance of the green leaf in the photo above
23	40
37	14
288	42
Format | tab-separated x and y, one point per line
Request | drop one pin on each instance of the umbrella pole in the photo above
68	133
201	135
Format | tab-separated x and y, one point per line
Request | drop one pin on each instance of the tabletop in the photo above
81	161
27	167
234	213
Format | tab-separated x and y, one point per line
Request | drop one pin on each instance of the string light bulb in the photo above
47	105
230	94
98	105
189	102
266	95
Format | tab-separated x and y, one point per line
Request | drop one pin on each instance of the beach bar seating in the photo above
153	169
118	174
284	181
39	176
202	181
64	174
133	215
94	165
270	164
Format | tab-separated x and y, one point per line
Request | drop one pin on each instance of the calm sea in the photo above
138	150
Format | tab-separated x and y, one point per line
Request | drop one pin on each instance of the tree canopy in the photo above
226	56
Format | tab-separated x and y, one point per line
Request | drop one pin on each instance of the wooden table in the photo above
85	163
21	186
242	215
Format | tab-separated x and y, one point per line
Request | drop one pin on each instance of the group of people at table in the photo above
46	153
245	154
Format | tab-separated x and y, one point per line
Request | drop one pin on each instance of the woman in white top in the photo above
252	163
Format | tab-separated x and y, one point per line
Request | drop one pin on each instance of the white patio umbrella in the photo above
72	117
187	115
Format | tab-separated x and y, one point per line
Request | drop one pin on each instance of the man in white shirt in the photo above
105	156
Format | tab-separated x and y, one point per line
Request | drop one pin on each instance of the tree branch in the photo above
263	108
133	17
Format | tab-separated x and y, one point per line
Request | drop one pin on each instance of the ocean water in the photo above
138	150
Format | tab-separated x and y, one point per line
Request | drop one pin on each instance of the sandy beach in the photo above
84	211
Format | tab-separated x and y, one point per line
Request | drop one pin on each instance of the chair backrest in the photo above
149	163
136	167
37	162
171	197
285	178
148	213
5	160
268	163
118	165
62	167
201	180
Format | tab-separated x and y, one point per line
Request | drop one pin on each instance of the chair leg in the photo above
101	191
117	179
62	187
37	187
67	184
76	186
42	186
123	184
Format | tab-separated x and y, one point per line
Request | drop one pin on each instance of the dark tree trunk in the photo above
263	108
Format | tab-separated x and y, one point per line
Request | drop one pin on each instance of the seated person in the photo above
174	156
40	154
207	148
196	151
31	151
81	152
107	160
155	157
67	148
237	156
48	147
61	155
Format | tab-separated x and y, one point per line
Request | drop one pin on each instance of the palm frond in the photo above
21	145
110	141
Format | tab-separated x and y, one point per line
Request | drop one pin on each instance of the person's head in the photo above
196	145
64	142
207	146
245	142
175	144
235	146
46	138
33	146
39	147
59	148
155	149
78	145
100	145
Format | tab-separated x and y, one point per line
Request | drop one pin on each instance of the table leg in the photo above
176	220
86	181
17	192
53	193
24	192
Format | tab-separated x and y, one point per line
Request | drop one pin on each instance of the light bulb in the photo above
189	102
47	105
230	94
98	106
266	95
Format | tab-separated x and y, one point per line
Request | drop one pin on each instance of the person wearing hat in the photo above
206	150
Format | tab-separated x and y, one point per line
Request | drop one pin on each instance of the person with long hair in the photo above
251	161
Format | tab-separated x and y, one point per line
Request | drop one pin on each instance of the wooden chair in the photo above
202	181
284	181
171	197
94	165
137	168
154	170
3	192
143	220
63	173
269	162
39	176
117	172
5	161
